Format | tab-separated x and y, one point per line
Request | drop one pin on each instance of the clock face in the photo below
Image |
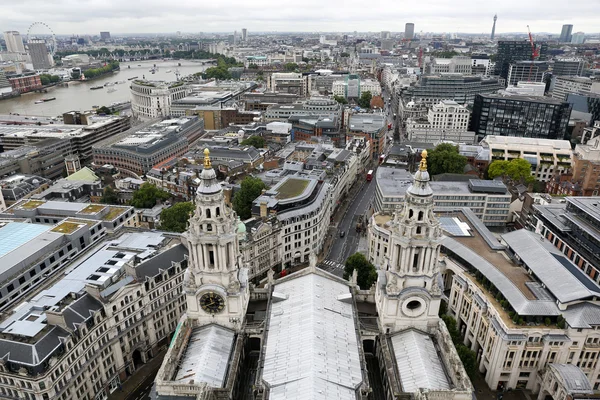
212	302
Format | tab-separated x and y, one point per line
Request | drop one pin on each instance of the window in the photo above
208	213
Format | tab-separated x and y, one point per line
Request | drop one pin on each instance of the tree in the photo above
256	141
377	102
220	73
445	159
365	100
103	110
518	170
175	219
109	196
340	99
242	201
344	54
291	66
47	79
366	272
148	195
252	66
75	74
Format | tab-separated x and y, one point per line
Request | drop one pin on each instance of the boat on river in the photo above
97	87
130	79
49	99
38	101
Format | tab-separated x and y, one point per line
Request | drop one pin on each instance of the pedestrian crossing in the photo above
332	266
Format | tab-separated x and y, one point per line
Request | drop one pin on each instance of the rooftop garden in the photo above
32	204
66	227
291	188
113	213
92	209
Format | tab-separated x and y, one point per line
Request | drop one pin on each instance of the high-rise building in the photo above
5	86
14	42
568	67
385	34
578	38
40	58
565	33
527	71
105	35
510	51
494	28
586	103
409	31
244	34
521	116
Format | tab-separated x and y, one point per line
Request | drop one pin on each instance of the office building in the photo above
454	65
446	120
521	116
409	31
14	42
25	82
261	101
315	107
547	157
322	81
488	200
586	168
45	158
152	99
40	58
104	35
578	38
527	71
511	301
244	34
460	88
286	82
81	138
565	85
5	86
137	150
566	34
494	28
586	103
223	308
510	51
523	88
91	317
373	127
567	67
572	226
352	87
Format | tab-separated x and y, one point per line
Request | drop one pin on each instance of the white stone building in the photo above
520	304
446	120
563	85
458	65
546	156
152	99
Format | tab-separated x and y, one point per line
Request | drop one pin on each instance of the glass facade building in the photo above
510	51
587	103
522	116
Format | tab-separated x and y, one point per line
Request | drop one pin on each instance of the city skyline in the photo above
67	17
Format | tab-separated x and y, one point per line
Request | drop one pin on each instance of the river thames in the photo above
79	97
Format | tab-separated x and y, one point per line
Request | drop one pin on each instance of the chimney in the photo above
263	209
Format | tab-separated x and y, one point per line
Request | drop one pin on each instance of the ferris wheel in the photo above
41	30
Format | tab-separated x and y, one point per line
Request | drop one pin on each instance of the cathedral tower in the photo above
216	284
408	292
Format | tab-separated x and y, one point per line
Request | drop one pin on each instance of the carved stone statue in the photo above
312	260
270	277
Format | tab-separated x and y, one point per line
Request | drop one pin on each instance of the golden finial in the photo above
207	164
423	165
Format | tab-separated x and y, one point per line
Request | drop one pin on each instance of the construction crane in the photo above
535	53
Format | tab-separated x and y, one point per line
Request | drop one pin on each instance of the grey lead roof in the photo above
312	347
207	356
574	380
419	364
538	255
582	315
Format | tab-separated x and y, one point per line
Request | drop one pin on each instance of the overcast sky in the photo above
149	16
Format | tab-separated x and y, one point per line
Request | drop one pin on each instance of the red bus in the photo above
369	175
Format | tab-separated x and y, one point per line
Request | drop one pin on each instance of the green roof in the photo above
84	174
291	188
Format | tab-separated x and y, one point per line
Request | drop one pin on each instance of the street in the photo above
344	247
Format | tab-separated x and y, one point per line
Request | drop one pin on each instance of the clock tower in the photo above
408	292
215	283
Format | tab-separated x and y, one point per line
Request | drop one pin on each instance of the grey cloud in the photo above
92	16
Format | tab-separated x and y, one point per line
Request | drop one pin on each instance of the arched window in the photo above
418	230
410	213
209	227
208	213
420	215
218	211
